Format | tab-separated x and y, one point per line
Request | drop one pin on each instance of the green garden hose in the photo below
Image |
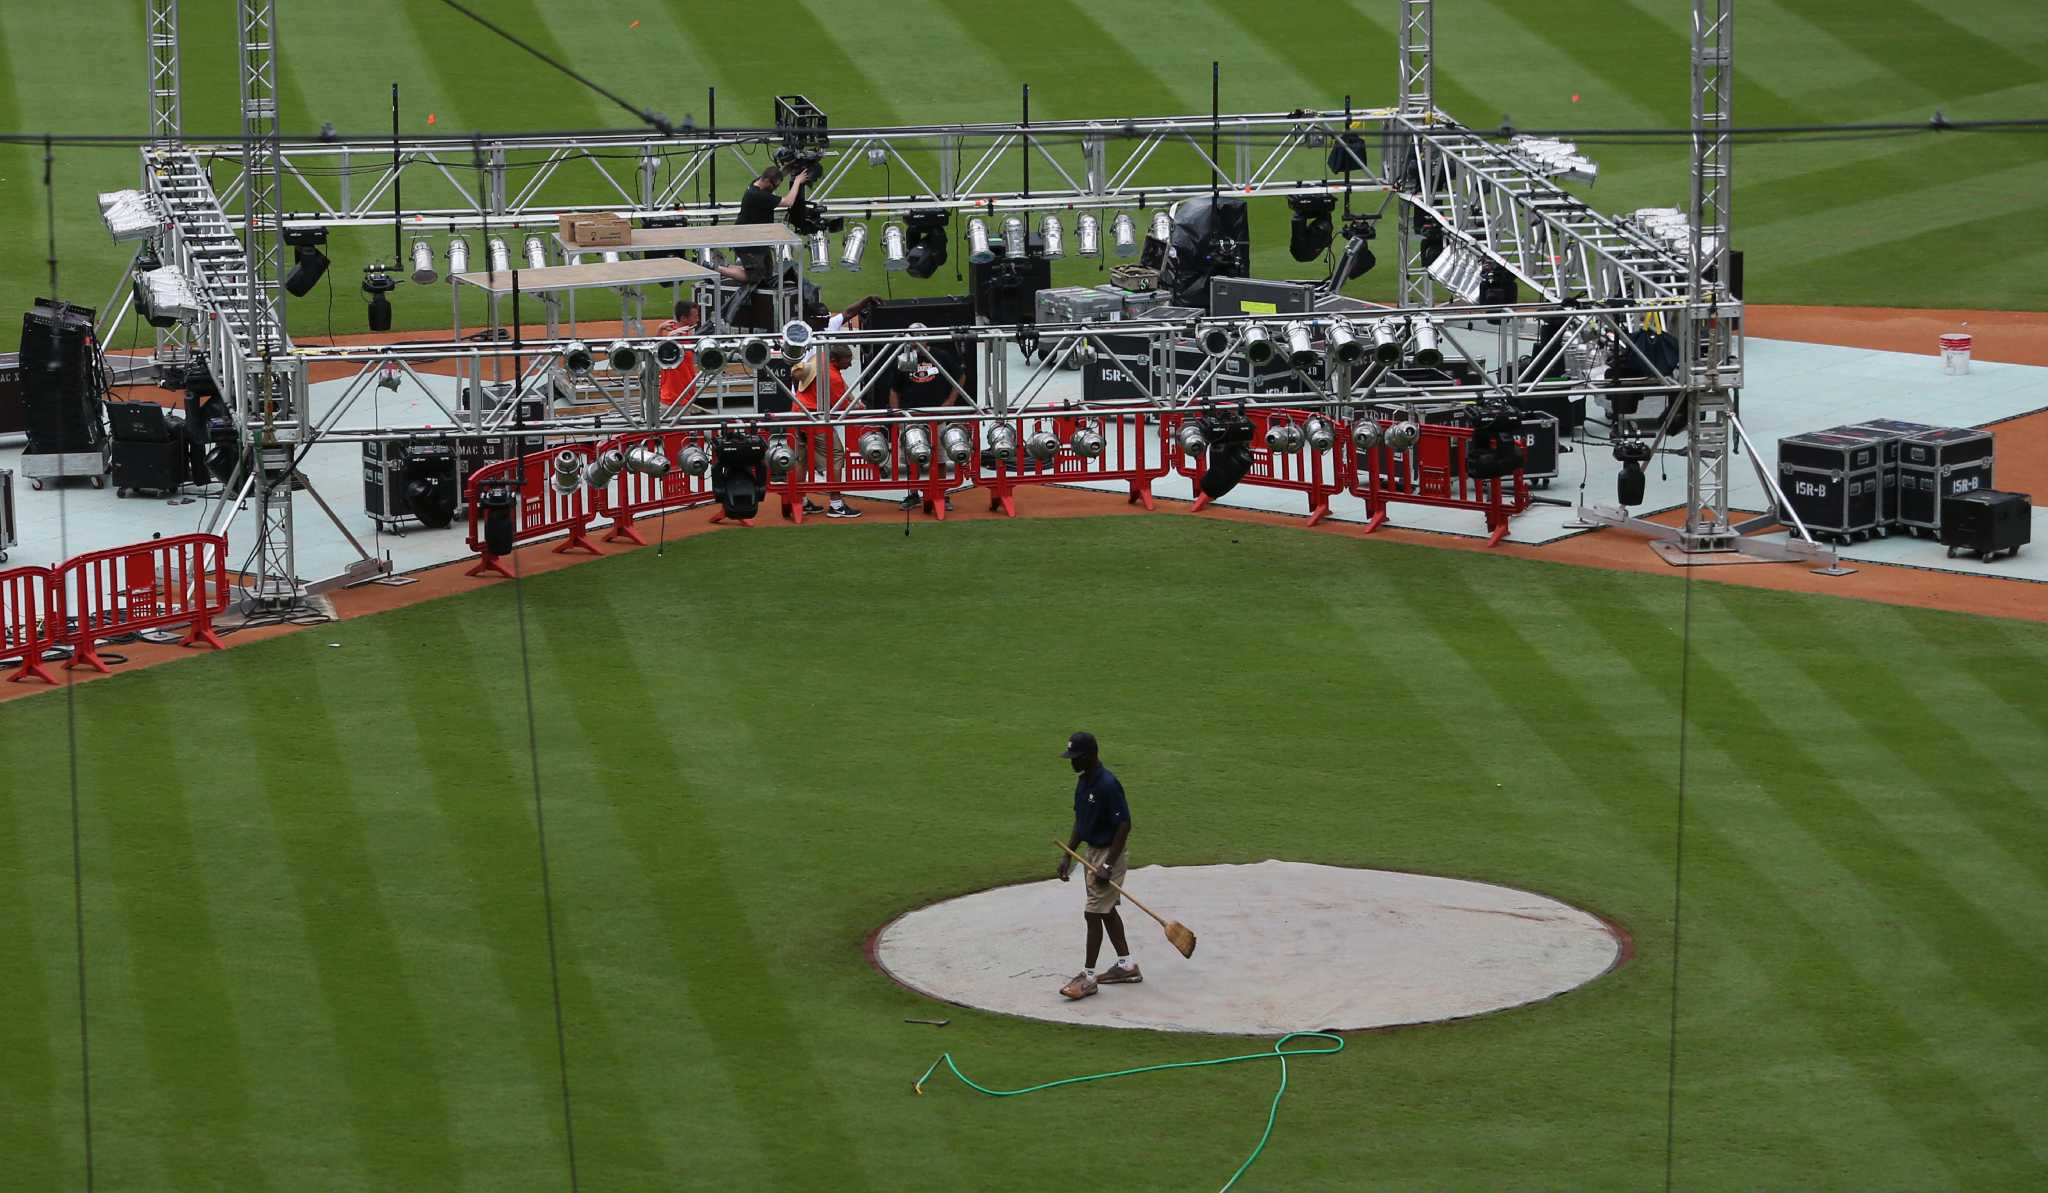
1280	1051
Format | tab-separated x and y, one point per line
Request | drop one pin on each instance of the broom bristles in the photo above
1177	934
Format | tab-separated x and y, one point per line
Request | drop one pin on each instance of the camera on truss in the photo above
808	219
793	158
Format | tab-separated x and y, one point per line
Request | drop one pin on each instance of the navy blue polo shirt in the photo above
1099	807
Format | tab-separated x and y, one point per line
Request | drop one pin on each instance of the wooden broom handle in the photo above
1112	882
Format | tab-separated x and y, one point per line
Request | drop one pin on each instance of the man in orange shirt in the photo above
804	378
676	382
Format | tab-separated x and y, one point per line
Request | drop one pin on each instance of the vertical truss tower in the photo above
273	579
1712	364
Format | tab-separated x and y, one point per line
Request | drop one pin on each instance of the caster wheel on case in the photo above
1951	552
37	485
99	482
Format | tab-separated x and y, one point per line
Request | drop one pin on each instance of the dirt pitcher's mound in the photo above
1284	946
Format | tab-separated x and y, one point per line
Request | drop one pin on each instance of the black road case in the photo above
1987	521
1938	464
1539	440
1832	482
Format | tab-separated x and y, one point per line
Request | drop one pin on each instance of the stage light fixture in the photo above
927	233
1087	235
1492	452
1310	231
1321	436
1162	227
894	252
1000	443
645	458
1258	343
1193	437
978	250
536	253
796	340
873	446
377	286
129	215
1215	339
458	256
1402	436
501	254
755	351
1344	342
1087	441
693	460
309	263
1283	436
1387	336
712	354
957	443
604	469
1042	446
739	473
1123	233
423	271
781	457
568	472
855	246
1630	482
917	445
1365	433
668	352
577	358
622	356
821	251
1052	239
497	502
1016	245
1428	353
1230	452
1357	259
1301	346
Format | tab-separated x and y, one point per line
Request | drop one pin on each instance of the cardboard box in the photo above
599	229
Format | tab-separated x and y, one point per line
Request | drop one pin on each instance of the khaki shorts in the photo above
1102	897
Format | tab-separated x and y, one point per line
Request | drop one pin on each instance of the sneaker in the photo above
842	510
1081	987
812	507
911	502
1120	973
949	505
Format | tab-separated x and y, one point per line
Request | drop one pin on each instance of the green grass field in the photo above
1923	221
317	958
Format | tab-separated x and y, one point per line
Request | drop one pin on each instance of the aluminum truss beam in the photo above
1712	363
1418	58
166	120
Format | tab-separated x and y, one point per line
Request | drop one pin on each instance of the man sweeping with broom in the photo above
1102	827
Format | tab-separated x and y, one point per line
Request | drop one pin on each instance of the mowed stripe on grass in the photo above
748	744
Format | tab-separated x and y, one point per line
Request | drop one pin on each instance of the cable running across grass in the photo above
1332	1045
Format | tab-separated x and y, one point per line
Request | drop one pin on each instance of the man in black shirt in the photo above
1102	827
758	205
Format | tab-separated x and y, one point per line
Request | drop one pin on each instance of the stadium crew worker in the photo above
758	205
804	383
1102	828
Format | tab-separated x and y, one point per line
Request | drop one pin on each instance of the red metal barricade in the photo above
633	495
829	461
122	590
1128	455
1319	474
540	511
31	619
1433	473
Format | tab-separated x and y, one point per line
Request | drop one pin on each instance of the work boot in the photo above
1121	972
1081	987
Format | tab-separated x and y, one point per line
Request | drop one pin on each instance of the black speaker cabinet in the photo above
1986	522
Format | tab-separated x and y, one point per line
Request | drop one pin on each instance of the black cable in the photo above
654	120
1677	893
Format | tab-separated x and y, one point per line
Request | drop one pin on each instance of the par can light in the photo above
536	253
1365	433
1403	435
694	460
1016	246
1123	232
796	340
874	448
1193	437
604	469
423	271
577	359
1042	446
458	256
646	459
754	352
568	472
894	254
1283	436
1258	343
1301	346
917	445
1320	434
856	245
821	252
1345	345
1000	444
501	255
1087	235
1052	238
1216	340
1386	341
978	250
712	354
622	357
957	442
668	352
1427	352
781	457
1162	227
1087	441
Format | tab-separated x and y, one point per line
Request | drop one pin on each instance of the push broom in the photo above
1177	933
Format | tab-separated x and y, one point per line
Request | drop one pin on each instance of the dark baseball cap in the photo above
1081	745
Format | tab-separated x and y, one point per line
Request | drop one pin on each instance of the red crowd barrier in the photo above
540	510
30	620
1124	457
1433	473
828	466
633	495
1317	474
122	590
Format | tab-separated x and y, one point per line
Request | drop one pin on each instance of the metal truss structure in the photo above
1598	277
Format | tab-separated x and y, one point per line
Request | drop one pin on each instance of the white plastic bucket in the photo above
1955	352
